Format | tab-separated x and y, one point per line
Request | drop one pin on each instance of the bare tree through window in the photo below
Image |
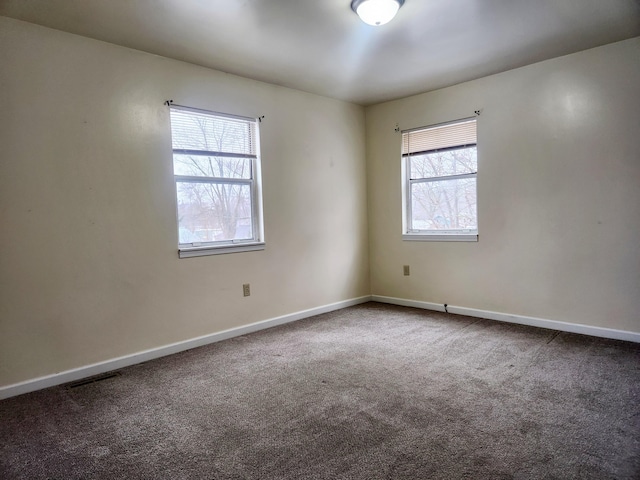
214	162
441	164
449	204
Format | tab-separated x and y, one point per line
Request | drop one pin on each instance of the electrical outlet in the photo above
246	289
406	270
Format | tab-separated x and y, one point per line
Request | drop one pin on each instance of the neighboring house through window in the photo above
440	166
216	165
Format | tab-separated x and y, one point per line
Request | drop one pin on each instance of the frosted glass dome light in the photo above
376	12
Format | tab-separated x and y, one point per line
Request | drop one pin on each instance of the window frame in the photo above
413	234
257	242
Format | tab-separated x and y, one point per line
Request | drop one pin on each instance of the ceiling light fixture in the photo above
376	12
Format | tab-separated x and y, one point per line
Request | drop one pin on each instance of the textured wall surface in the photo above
88	256
558	193
88	251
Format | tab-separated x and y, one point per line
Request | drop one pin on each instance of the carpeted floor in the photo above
369	392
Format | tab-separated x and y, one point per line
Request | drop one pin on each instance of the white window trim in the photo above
427	235
440	237
186	250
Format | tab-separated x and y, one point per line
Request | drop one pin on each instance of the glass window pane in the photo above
214	212
449	162
444	205
192	130
221	167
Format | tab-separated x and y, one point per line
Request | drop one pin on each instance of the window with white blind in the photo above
439	170
216	166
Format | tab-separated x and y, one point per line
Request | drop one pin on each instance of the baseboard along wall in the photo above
519	319
139	357
144	356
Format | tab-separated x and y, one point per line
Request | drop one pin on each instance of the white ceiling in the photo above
321	46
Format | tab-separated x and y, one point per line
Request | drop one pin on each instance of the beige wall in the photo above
88	251
558	193
88	261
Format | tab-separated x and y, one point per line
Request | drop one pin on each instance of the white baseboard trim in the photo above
146	355
519	319
408	303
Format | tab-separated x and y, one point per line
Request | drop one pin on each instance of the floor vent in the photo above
94	379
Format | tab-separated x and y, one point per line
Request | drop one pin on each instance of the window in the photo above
440	165
216	166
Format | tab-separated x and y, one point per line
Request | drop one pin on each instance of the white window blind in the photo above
216	164
439	174
198	131
434	138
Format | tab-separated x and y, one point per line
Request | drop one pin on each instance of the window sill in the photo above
441	237
187	252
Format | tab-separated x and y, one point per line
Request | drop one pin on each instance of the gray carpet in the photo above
369	392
